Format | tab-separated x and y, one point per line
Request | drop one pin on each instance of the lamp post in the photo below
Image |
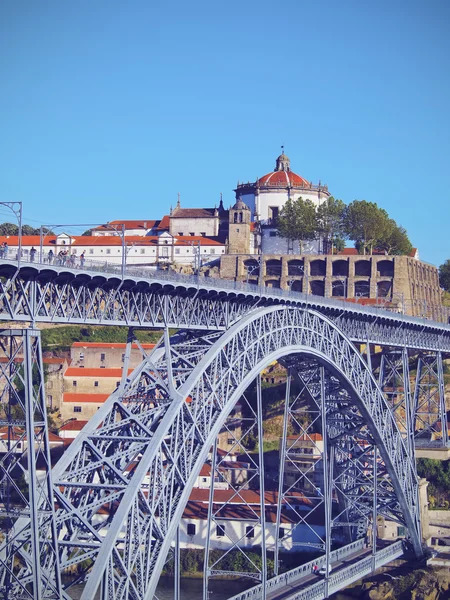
251	269
16	208
120	232
401	296
344	284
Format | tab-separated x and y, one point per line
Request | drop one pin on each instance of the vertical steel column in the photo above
409	405
126	362
177	566
208	526
326	479
261	486
282	459
442	406
375	505
29	558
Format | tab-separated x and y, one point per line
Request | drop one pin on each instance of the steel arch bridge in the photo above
162	421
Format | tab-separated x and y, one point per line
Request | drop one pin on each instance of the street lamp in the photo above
120	232
401	296
16	208
342	282
252	268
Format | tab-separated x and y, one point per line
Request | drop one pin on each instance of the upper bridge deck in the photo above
100	293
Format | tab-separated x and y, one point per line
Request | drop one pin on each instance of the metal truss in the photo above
29	559
122	486
44	293
242	431
431	427
394	380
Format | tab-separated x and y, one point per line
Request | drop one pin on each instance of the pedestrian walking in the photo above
32	254
50	256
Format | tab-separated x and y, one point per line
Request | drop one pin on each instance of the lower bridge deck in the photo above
348	564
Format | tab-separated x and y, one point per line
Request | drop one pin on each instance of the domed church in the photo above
266	196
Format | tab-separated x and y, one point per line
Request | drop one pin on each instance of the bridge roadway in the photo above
349	564
99	295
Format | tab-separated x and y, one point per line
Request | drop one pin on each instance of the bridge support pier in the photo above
29	559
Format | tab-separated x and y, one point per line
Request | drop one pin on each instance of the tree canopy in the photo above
366	224
12	229
330	221
298	221
444	275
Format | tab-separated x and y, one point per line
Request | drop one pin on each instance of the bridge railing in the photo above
195	281
290	577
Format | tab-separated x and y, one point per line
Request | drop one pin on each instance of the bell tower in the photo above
239	229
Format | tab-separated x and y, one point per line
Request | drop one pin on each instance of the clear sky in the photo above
108	109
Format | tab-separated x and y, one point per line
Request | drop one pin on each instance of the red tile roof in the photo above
129	224
108	240
108	345
282	179
247	496
73	426
80	398
164	223
84	372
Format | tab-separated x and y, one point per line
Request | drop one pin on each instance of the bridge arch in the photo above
173	437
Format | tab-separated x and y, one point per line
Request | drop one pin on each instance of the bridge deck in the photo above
301	583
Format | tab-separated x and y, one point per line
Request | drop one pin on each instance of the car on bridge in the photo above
323	570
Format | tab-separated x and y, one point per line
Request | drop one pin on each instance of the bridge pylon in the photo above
29	560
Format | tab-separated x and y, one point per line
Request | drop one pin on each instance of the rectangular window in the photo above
142	250
81	355
117	383
123	357
191	529
192	233
74	383
281	532
180	233
177	251
203	233
77	409
108	251
95	383
91	251
230	441
212	250
273	234
102	356
249	532
220	530
102	367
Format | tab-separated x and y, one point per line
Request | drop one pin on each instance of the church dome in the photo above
282	179
240	206
282	176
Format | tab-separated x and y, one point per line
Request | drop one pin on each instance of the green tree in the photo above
298	221
8	229
365	223
330	221
444	275
395	239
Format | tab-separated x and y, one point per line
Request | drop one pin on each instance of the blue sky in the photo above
109	109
